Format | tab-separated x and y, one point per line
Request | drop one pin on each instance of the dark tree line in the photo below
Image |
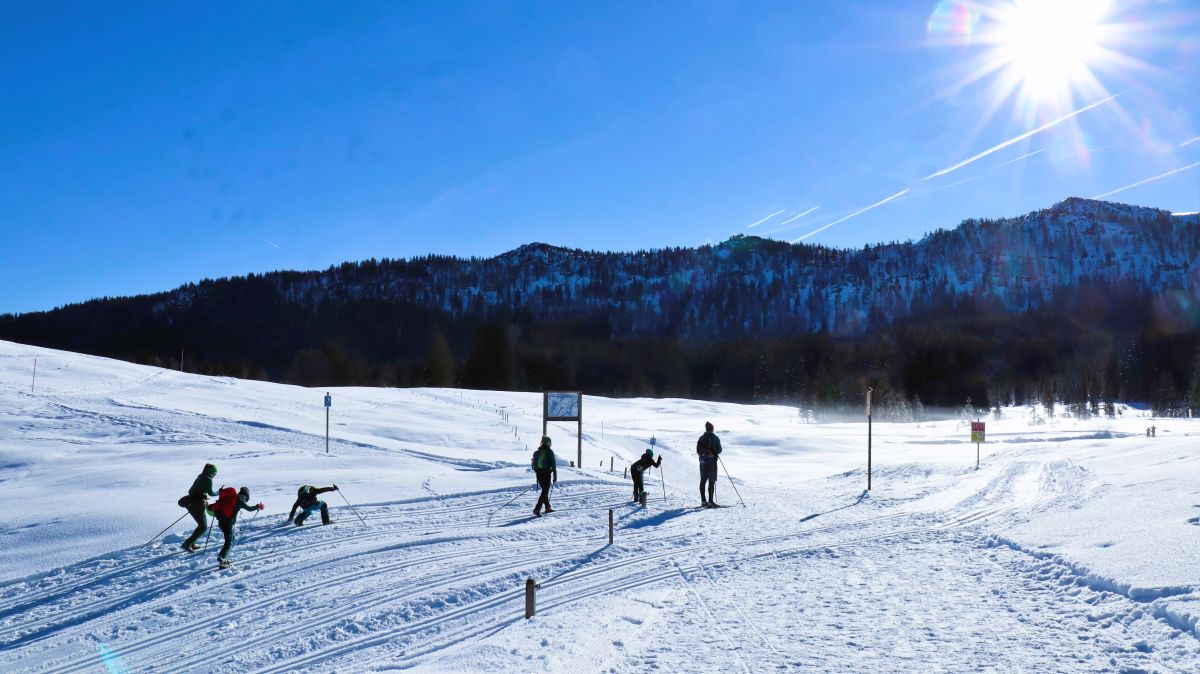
1085	303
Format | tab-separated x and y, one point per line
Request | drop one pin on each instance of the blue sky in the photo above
145	146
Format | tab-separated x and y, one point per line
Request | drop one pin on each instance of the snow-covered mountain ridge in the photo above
755	286
759	287
747	285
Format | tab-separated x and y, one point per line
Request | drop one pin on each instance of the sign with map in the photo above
563	405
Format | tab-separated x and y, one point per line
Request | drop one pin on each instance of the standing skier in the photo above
229	503
545	469
196	501
708	448
638	467
306	501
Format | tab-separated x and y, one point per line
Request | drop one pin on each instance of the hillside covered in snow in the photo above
1072	548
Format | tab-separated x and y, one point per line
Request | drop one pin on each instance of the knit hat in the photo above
210	470
546	440
708	426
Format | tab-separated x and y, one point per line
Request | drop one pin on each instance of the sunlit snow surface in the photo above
1073	548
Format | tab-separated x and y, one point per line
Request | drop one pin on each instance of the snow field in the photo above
1073	548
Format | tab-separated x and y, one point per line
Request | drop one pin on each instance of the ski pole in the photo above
663	476
247	524
210	521
506	504
731	481
360	517
185	514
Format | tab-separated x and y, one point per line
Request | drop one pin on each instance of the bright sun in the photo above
1046	49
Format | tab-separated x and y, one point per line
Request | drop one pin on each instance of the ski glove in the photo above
260	506
335	488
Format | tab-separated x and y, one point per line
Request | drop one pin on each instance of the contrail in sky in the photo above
1181	169
797	217
1189	142
270	244
1017	139
756	224
1013	161
854	214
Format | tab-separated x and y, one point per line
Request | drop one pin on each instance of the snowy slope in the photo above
1073	548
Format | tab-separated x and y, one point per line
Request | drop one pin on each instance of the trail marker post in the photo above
530	598
977	432
610	526
328	404
33	386
869	391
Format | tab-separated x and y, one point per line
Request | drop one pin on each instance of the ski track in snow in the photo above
922	578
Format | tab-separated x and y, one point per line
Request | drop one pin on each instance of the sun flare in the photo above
1046	54
1047	48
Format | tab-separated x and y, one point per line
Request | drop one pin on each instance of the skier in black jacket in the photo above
196	501
306	501
638	468
708	448
545	468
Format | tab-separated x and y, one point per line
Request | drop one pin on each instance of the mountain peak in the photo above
1080	206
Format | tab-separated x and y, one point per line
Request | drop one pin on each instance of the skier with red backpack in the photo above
229	503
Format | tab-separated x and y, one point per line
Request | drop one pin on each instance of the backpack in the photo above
226	504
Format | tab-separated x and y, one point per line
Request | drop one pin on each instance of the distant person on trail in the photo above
545	469
638	467
306	502
229	503
196	501
708	448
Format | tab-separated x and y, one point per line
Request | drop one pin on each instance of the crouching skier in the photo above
196	501
229	503
640	467
306	502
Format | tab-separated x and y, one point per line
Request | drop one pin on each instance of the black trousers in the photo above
196	510
226	527
637	483
543	480
708	474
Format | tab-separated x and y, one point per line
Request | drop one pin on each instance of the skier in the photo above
638	467
545	468
226	509
708	448
196	501
306	501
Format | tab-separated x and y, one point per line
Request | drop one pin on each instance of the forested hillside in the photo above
1084	302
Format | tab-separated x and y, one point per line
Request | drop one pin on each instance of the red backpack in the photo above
226	504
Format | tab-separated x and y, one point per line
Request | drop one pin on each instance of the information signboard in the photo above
977	431
563	405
